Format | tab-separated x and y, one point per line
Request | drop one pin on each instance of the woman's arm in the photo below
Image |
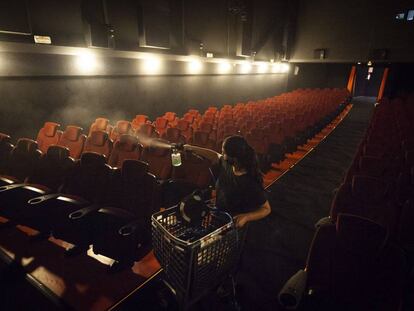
209	154
260	213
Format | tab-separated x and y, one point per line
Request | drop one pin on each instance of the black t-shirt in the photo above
237	194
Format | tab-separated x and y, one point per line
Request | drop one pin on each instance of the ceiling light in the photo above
224	67
284	67
276	68
194	66
152	65
86	62
245	67
262	67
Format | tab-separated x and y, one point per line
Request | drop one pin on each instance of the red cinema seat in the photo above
85	189
161	125
173	135
23	159
146	133
48	135
99	142
368	197
139	120
122	127
194	170
73	139
100	124
126	148
202	139
158	156
48	176
186	130
351	265
123	229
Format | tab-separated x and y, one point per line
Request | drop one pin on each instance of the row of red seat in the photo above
361	255
273	127
72	201
86	201
380	181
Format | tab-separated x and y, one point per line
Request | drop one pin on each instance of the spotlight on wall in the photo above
151	65
194	66
245	67
86	62
262	67
276	68
284	67
224	67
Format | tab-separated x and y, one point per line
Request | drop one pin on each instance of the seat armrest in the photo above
323	222
7	180
131	227
84	212
292	292
43	198
11	186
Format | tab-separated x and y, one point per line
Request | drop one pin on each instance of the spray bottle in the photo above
176	154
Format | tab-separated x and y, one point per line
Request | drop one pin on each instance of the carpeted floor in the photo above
278	245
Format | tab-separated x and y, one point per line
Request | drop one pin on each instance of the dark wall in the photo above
27	103
40	83
351	30
319	75
180	26
400	79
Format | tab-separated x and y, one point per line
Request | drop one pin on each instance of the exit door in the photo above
368	80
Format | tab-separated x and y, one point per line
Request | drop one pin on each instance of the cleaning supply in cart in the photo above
193	209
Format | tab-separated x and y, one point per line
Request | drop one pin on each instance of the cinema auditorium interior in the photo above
115	118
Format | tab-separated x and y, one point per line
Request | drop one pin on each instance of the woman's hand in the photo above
241	220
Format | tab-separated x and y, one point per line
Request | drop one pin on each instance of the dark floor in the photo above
277	246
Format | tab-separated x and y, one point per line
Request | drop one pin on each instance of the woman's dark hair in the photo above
242	156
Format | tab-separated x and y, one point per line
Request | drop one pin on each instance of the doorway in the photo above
368	80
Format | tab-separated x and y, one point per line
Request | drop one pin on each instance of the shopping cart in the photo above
194	259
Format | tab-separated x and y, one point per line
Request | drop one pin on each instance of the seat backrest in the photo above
73	139
173	135
99	142
122	127
23	159
126	148
53	168
159	159
354	265
90	178
135	189
369	190
202	139
100	124
183	125
5	149
48	135
139	120
161	124
205	127
367	197
194	169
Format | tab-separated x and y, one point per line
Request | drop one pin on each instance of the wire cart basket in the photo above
194	259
